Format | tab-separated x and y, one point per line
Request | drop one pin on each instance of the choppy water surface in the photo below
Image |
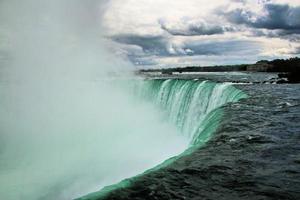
220	77
255	154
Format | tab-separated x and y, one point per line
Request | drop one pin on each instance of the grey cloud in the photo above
297	51
149	50
146	60
278	16
158	46
228	47
200	28
290	35
141	49
153	45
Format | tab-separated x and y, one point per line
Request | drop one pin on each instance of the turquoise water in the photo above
65	142
62	140
189	104
254	154
194	107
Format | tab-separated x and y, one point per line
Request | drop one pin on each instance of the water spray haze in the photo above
65	131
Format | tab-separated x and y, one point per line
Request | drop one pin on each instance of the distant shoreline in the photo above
288	70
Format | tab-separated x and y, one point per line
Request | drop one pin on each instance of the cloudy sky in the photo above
162	33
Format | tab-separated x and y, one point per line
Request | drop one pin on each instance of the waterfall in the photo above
194	107
190	104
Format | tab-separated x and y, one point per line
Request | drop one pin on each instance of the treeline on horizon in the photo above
277	65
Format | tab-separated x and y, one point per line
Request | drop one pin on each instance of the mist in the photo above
65	128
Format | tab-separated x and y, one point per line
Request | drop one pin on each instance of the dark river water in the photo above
254	154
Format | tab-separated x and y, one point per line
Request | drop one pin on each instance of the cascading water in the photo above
187	103
194	107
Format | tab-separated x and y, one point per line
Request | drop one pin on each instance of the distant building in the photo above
260	66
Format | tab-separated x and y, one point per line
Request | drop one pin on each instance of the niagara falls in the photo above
149	100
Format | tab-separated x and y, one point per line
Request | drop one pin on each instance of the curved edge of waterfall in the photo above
208	131
183	93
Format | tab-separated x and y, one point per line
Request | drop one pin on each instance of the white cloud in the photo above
184	29
135	16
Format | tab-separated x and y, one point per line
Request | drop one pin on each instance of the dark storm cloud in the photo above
278	16
195	29
155	45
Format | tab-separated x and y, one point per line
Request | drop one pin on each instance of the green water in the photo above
189	104
194	107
